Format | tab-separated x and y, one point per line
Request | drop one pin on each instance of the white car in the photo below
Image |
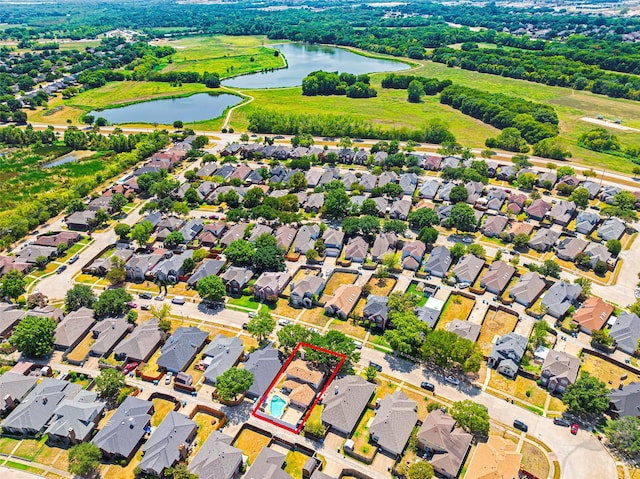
283	322
453	380
636	293
252	315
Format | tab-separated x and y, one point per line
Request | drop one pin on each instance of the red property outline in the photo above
265	417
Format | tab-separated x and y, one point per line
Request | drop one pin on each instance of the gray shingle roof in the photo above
626	401
207	268
181	348
162	449
78	414
560	297
16	386
224	353
394	422
626	332
265	364
216	458
268	465
497	277
468	268
107	334
141	343
464	329
611	228
344	402
438	261
528	288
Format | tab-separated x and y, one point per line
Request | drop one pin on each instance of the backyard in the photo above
338	278
415	288
251	443
360	437
295	463
162	407
381	287
207	423
495	323
606	371
456	307
81	350
522	388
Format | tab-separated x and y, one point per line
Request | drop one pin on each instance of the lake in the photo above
304	59
201	106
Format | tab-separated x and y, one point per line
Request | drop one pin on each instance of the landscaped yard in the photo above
47	454
251	443
248	302
162	407
534	460
384	388
606	371
338	278
413	288
295	462
519	388
495	323
456	307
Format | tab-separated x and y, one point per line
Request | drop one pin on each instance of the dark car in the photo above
520	426
244	325
145	295
559	421
428	386
375	366
61	268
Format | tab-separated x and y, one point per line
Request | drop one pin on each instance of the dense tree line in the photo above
334	83
431	86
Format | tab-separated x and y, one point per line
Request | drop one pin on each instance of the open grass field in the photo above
606	371
222	54
456	307
251	443
495	323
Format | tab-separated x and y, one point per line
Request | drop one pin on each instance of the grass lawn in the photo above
511	284
119	472
606	371
518	388
302	272
338	278
381	287
359	308
413	289
295	462
162	407
82	349
384	388
206	425
361	435
421	398
47	454
151	367
495	323
283	309
348	328
248	302
29	448
556	405
251	443
534	460
456	307
23	467
62	461
315	316
249	341
7	444
195	373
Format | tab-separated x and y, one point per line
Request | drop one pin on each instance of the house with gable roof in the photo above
344	403
393	423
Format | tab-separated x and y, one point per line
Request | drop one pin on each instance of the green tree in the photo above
457	251
423	217
178	124
371	374
585	284
109	382
395	226
337	204
240	252
624	434
428	235
112	302
599	139
290	335
580	196
233	382
84	459
458	194
41	261
261	325
141	233
253	197
102	217
553	148
391	260
462	217
199	142
122	230
520	241
13	284
550	268
539	335
33	336
414	91
117	202
420	469
600	268
509	139
614	246
188	265
200	254
471	416
312	255
588	397
623	206
179	472
79	296
476	250
211	288
297	182
174	238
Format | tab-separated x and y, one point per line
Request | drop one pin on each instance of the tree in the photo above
84	459
178	124
297	182
391	260
240	252
200	254
369	225
211	288
580	196
199	142
233	382
336	204
420	469
79	296
601	336
414	91
117	273
117	202
41	261
13	284
109	383
268	258
476	250
253	197
457	251
312	255
428	235
122	230
462	217
112	302
174	238
550	268
33	336
471	416
599	139
623	206
395	226
102	217
600	268
290	335
423	217
371	374
141	233
624	434
588	397
188	265
458	194
261	325
614	246
520	241
585	284
509	139
180	471
553	148
539	335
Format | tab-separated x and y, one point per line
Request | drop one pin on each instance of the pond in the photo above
202	106
304	59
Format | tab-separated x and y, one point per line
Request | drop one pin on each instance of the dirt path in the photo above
608	124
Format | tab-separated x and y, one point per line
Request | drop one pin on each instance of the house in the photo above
382	205
592	187
430	312
241	172
408	182
73	328
333	239
438	262
234	233
285	235
107	333
495	198
313	177
191	229
8	263
598	252
560	297
468	268
569	248
559	370
102	266
538	209
383	244
100	203
264	364
625	401
31	416
268	465
450	162
305	291
608	193
376	311
139	265
544	239
429	189
269	285
412	255
13	389
348	179
443	213
626	332
494	225
465	329
592	315
497	277
368	181
220	355
506	172
181	348
141	343
314	202
54	240
75	419
121	436
506	354
548	179
447	444
360	157
497	458
343	301
31	253
527	289
345	402
356	249
306	237
431	162
611	228
393	423
169	444
217	458
516	202
562	212
170	270
400	209
235	279
518	227
586	222
445	191
474	191
386	177
10	315
211	267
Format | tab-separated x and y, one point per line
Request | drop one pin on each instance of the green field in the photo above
222	54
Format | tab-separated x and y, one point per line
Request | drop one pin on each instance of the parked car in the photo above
132	305
73	259
559	421
452	380
314	330
145	307
574	429
428	386
245	325
283	322
252	315
168	377
520	425
160	297
375	366
61	268
179	300
357	344
145	295
130	367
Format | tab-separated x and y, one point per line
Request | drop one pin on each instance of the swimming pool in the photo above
276	406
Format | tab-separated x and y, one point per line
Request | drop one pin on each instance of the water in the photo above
61	161
304	59
202	106
276	406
